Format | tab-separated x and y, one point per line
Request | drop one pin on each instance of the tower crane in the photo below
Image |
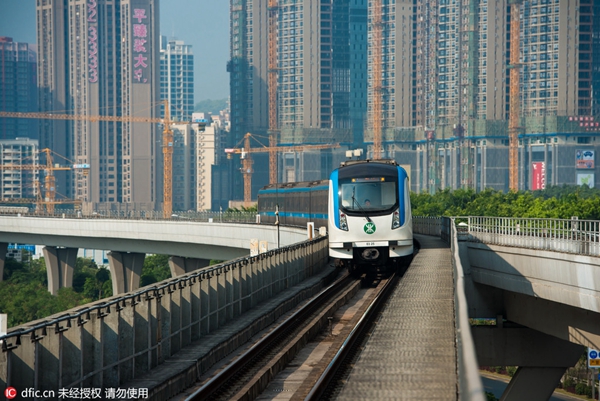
167	141
49	198
513	108
247	161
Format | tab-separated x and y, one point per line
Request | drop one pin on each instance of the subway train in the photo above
365	206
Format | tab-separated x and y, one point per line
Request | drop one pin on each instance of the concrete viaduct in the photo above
537	280
190	244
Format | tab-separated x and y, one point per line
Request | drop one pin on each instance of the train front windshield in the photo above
369	194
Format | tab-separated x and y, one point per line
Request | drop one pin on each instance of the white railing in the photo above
560	235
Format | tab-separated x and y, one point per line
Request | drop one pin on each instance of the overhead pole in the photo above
377	26
514	102
247	170
272	87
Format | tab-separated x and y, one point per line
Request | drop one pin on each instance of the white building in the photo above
193	157
18	176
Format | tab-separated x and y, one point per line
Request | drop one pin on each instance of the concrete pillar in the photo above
71	353
126	341
3	250
47	360
60	264
532	384
91	346
186	313
221	296
195	307
542	359
180	265
125	269
175	301
164	322
142	333
213	301
111	347
204	304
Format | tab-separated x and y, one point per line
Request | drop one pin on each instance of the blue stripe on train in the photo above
401	195
288	190
336	201
296	214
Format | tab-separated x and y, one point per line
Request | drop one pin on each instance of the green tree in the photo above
156	268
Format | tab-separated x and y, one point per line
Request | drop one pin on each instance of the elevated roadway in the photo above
190	244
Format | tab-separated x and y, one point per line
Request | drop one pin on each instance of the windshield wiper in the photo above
359	206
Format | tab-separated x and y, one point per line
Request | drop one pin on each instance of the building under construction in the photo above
101	58
427	83
315	53
462	91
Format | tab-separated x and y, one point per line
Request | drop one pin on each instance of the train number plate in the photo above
370	243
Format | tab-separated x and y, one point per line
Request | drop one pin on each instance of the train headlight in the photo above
396	219
343	222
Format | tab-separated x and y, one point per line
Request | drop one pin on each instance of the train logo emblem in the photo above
370	228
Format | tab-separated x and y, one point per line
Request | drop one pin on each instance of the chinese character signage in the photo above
140	20
538	170
584	159
92	50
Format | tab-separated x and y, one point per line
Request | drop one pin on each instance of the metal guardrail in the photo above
573	236
151	324
208	216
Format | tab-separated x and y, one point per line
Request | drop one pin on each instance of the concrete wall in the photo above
113	341
222	241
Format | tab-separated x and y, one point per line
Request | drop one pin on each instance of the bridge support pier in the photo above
180	265
3	250
126	270
60	264
542	359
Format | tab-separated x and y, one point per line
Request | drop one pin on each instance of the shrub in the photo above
581	389
490	396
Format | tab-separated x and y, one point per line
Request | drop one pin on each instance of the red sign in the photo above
538	171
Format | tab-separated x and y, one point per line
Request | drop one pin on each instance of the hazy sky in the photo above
204	24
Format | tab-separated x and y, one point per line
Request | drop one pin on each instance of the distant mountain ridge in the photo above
210	106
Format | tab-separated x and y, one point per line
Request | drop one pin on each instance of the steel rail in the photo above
326	378
210	388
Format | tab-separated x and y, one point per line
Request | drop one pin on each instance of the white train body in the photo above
369	215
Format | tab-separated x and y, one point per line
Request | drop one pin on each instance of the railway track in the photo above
335	322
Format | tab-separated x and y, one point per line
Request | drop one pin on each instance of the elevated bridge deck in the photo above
411	354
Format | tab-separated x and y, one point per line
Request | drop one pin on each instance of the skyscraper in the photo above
102	58
18	88
20	182
460	90
321	59
177	78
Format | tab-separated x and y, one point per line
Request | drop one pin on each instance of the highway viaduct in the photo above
190	244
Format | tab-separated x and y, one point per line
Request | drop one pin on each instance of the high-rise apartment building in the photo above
102	58
18	88
194	153
321	58
19	177
460	91
177	78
